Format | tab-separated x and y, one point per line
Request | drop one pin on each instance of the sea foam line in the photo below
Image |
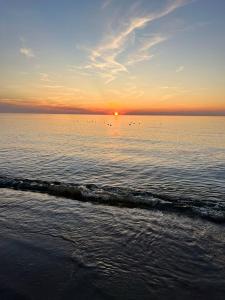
120	197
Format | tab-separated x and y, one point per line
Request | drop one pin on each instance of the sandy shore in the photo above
41	268
53	248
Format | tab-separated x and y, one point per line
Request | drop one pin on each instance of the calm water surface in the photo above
180	155
117	252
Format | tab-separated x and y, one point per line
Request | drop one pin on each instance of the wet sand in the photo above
55	248
41	268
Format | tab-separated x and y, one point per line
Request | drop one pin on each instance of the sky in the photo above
101	56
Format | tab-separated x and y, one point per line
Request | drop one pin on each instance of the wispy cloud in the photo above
41	106
180	69
54	86
129	90
105	58
28	52
143	52
106	3
166	87
45	77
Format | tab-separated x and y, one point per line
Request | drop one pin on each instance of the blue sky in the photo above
103	55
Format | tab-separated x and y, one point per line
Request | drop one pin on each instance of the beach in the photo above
55	248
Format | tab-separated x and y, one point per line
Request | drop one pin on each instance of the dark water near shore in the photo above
164	176
66	249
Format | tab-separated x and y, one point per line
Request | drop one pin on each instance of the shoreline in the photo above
56	248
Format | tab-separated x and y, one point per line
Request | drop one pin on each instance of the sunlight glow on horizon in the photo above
105	57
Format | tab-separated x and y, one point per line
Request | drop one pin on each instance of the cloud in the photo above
143	54
29	106
180	69
28	52
128	91
105	58
106	3
45	77
54	86
166	87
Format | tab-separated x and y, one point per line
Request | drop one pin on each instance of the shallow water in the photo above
101	252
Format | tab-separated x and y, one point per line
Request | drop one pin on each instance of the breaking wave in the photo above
210	210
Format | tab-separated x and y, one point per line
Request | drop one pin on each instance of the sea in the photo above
112	207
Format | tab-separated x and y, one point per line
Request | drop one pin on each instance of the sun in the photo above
116	113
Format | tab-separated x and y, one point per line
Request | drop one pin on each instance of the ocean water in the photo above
175	163
138	200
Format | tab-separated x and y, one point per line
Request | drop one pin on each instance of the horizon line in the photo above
184	114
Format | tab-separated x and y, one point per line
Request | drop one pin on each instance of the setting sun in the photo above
116	113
